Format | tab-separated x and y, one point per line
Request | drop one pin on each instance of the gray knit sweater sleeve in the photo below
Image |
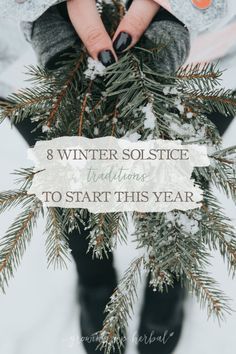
25	10
176	40
53	34
50	35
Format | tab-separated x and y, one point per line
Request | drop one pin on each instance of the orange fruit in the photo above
202	4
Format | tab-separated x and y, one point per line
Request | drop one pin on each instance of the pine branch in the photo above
177	244
120	8
83	107
229	151
221	172
74	219
217	100
57	248
171	239
218	232
39	75
221	175
132	90
205	77
23	104
178	256
25	177
14	243
205	289
11	199
120	308
160	278
63	90
106	230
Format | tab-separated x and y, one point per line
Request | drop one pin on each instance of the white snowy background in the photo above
39	314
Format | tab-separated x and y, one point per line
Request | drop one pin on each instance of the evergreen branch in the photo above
218	232
222	175
177	244
11	199
25	177
220	159
217	100
83	107
160	278
120	8
115	116
120	308
57	247
13	244
170	241
207	293
229	151
179	258
120	229
39	75
64	88
136	89
75	218
106	230
205	76
226	156
23	104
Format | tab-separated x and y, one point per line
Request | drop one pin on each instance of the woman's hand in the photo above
134	24
88	24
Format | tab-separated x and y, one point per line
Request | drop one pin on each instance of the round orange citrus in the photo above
202	4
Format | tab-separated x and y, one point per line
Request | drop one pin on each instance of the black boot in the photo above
97	281
92	302
161	320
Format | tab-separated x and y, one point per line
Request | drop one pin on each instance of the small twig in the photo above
81	117
63	92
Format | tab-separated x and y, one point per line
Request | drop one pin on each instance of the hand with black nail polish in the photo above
155	27
90	28
134	24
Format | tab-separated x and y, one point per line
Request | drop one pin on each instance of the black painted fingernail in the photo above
122	42
106	57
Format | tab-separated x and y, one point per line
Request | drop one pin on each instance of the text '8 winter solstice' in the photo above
116	175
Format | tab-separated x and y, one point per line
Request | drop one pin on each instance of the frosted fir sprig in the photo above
130	100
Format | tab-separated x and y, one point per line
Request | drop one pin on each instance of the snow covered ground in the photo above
39	313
